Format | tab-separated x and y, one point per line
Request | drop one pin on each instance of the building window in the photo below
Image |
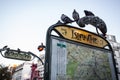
117	54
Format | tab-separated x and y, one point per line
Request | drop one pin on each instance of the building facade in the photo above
25	72
22	72
40	66
116	49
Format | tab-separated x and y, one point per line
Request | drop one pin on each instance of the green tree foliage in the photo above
5	74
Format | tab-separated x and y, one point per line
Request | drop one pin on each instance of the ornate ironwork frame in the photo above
47	66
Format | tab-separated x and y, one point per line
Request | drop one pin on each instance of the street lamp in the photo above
41	47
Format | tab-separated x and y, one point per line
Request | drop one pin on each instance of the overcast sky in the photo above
23	23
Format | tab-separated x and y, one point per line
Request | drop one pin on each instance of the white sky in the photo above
24	23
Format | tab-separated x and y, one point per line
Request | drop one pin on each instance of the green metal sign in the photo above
12	54
18	54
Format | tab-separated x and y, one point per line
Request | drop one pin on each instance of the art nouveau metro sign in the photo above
18	54
81	35
77	54
14	54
